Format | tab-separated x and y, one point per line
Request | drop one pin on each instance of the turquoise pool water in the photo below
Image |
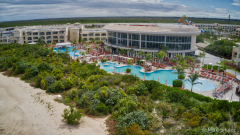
71	53
205	86
161	74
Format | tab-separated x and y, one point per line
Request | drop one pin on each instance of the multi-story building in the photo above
236	54
236	32
96	34
216	26
52	33
180	39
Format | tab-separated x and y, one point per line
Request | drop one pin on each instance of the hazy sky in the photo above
11	10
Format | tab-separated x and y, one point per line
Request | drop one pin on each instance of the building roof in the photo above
153	28
62	44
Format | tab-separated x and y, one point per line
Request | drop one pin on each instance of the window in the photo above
110	33
56	41
61	37
42	37
90	34
135	37
55	32
103	34
35	37
55	36
23	33
84	34
29	38
35	33
90	38
61	32
48	41
143	37
61	41
85	39
48	37
42	33
29	33
48	33
97	34
114	34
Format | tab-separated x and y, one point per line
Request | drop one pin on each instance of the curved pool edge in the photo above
141	68
205	80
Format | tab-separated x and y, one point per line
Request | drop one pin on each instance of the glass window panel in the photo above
154	38
143	37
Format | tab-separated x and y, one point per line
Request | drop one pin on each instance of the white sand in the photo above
24	112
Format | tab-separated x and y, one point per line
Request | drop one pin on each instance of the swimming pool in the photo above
71	53
161	74
205	86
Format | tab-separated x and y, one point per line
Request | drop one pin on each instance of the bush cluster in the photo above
177	83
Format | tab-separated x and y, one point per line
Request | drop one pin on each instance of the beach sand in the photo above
25	110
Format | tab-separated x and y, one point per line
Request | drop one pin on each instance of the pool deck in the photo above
230	94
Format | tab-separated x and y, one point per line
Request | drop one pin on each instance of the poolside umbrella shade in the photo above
119	70
158	79
144	77
166	82
183	85
153	77
114	69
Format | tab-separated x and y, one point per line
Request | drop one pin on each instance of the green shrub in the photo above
139	117
21	67
49	80
128	70
59	87
102	108
72	115
181	77
57	74
157	93
177	83
116	82
150	84
236	115
31	72
104	83
217	118
103	60
68	83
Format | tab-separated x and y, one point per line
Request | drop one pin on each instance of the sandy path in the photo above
25	110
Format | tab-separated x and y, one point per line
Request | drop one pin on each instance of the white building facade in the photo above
179	39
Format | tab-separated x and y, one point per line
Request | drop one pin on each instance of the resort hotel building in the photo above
179	39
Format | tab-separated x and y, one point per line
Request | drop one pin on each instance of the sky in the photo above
12	10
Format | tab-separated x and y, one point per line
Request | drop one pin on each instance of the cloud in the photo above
212	6
38	9
236	3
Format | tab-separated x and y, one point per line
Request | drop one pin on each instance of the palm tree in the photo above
141	53
148	56
82	53
74	42
179	70
160	55
192	79
54	42
83	41
179	57
131	50
122	51
74	50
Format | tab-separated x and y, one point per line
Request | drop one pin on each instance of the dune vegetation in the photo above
134	106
